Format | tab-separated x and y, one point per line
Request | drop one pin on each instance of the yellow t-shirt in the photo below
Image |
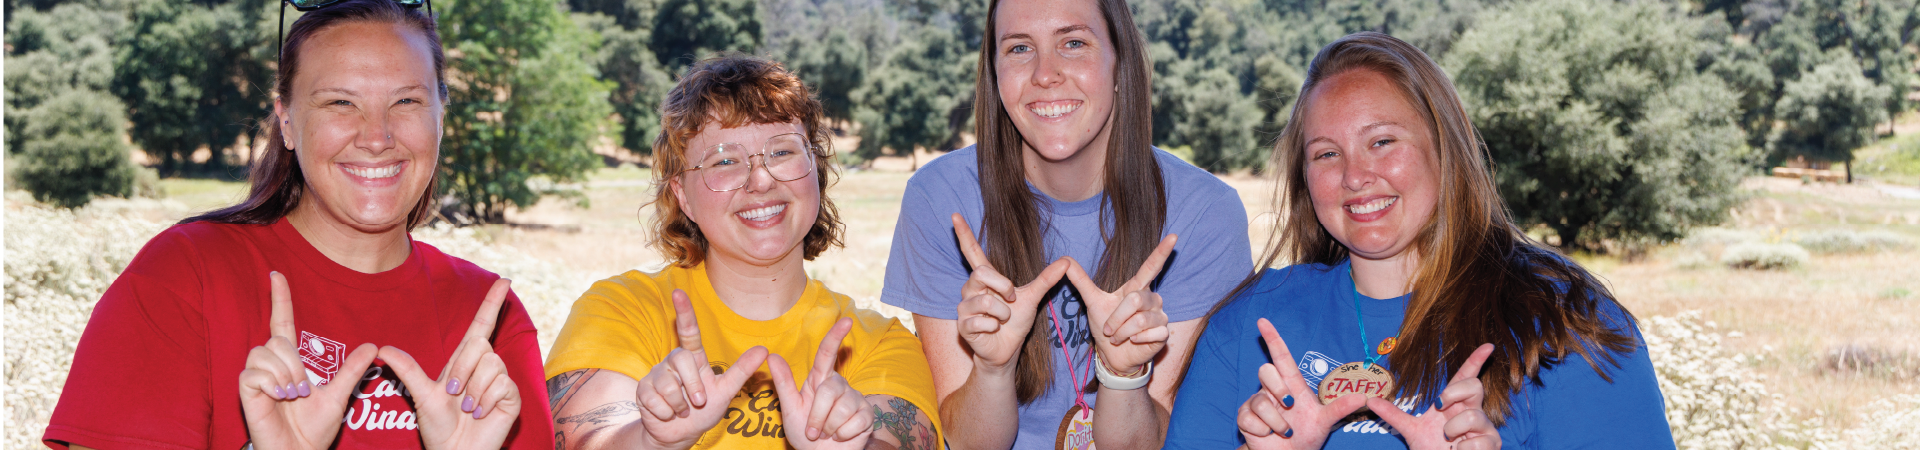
625	324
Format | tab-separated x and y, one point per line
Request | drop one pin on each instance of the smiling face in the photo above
364	119
1054	63
762	223
1370	164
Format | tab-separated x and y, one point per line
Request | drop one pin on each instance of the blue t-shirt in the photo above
1312	306
925	269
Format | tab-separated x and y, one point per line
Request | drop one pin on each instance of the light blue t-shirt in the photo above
1312	306
925	269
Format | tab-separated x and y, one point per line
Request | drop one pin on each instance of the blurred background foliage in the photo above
1608	121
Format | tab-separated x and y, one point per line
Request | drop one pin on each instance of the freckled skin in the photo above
729	237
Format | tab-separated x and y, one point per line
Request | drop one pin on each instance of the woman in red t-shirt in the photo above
258	324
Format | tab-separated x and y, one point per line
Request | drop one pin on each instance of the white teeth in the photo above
759	214
1055	110
382	172
1372	206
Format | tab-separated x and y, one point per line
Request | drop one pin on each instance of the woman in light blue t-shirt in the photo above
1067	319
1413	291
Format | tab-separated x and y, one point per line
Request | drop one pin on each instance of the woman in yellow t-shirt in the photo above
673	359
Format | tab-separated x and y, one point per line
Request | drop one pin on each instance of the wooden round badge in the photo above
1076	430
1356	378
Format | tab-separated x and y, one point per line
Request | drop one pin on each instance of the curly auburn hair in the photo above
732	91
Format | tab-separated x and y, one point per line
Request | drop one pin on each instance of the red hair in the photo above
732	91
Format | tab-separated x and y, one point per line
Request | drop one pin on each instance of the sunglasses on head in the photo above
310	5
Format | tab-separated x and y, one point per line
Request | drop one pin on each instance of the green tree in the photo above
639	83
1599	123
71	149
190	79
909	100
834	65
1204	110
525	102
685	31
63	130
53	52
1828	113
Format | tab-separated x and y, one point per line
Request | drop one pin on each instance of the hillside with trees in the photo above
1624	121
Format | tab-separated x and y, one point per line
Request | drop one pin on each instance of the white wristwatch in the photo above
1117	382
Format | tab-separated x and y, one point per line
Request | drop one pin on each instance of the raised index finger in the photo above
1155	261
969	247
830	346
686	325
280	320
483	321
1282	357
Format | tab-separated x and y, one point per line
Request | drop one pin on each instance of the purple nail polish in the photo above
453	386
279	393
306	388
466	404
476	413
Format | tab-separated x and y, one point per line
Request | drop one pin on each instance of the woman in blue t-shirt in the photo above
1076	274
1414	263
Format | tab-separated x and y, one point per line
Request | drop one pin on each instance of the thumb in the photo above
1389	413
1078	276
406	369
783	383
742	370
348	378
1348	404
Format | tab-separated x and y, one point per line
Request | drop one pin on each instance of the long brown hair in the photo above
735	90
277	184
1132	190
1480	278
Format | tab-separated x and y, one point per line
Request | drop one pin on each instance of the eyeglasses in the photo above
727	166
309	5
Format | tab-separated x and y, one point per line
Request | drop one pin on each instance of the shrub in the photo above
1713	400
58	263
1717	236
1692	260
1847	241
1763	256
71	149
1894	423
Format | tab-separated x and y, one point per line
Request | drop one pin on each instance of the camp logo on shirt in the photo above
379	403
1314	366
322	357
753	412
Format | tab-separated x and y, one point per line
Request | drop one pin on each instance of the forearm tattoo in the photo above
560	391
904	424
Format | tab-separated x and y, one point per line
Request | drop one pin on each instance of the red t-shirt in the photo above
160	361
